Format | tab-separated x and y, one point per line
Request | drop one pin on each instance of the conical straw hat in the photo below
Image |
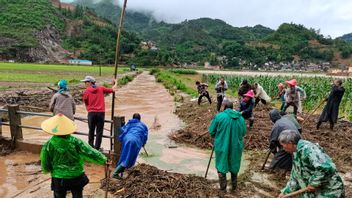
59	125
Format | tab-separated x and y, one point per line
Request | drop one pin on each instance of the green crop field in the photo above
18	72
317	88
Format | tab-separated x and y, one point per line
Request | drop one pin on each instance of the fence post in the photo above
15	121
118	122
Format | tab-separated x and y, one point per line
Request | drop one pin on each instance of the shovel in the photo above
296	193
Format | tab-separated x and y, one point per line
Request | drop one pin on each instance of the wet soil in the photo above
5	147
337	143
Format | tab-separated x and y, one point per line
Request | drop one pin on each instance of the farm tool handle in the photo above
296	193
211	156
266	159
309	115
145	150
107	174
201	136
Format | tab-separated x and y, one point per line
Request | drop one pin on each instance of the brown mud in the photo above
337	143
5	147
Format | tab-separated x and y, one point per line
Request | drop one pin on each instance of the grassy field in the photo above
40	73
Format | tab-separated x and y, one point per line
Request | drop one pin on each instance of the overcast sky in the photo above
332	17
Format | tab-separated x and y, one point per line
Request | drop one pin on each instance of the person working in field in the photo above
331	109
62	101
228	129
312	170
220	87
63	156
246	107
260	94
292	96
93	98
282	159
202	91
133	137
244	88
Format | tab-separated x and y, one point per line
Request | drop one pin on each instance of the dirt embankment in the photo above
35	100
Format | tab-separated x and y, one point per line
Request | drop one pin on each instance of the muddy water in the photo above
156	106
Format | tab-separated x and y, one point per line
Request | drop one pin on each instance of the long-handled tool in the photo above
211	156
145	150
266	159
306	118
107	174
296	192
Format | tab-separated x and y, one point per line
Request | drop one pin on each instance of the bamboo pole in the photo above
117	56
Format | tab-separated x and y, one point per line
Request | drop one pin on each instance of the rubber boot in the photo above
222	181
331	125
318	125
251	122
119	169
233	181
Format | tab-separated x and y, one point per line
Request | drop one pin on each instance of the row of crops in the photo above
317	88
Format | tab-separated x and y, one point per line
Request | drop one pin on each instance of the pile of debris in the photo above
337	143
147	181
35	100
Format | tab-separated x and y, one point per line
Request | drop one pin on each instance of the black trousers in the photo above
259	99
295	108
76	193
96	126
206	94
219	99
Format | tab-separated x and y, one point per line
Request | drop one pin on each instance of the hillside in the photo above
45	31
346	37
213	40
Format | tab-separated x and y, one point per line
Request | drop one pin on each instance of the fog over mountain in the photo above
330	17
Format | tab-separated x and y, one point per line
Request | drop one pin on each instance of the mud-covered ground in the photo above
5	147
337	143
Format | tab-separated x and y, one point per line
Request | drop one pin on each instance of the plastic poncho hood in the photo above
64	156
274	115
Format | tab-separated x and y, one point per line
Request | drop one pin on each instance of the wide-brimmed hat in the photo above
59	125
250	94
88	79
292	82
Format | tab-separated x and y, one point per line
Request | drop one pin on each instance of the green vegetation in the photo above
317	88
126	79
21	19
183	71
14	72
172	82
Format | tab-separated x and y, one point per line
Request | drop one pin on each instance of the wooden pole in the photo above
211	156
118	122
298	192
117	56
15	121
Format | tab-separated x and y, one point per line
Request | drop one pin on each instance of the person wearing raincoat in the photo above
63	156
62	101
228	129
312	169
331	110
134	136
282	159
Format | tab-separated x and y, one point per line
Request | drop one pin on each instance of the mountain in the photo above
47	31
346	37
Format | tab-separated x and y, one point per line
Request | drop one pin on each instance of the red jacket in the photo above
93	98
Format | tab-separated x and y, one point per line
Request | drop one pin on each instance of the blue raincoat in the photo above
133	136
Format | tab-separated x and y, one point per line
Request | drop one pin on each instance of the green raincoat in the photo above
228	129
64	157
312	166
